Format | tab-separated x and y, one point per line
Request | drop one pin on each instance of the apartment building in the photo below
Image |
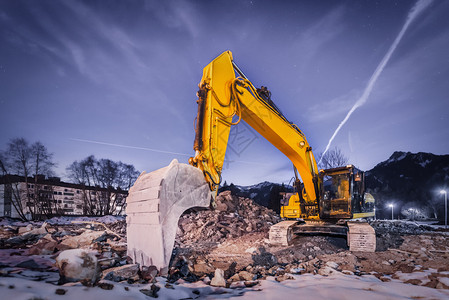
51	196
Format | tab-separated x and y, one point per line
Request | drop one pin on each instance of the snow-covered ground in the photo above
24	275
336	286
66	220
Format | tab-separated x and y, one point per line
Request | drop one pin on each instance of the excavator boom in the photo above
224	100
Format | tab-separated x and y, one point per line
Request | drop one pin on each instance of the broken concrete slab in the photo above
84	239
121	273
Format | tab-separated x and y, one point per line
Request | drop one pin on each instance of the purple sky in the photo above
126	73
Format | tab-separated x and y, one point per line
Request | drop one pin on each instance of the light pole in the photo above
445	207
391	205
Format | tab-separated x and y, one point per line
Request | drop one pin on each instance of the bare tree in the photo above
333	158
25	160
103	183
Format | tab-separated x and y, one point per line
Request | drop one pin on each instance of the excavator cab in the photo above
342	194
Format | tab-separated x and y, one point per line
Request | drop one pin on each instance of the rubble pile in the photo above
233	217
399	227
389	232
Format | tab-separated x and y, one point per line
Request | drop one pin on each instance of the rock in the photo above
202	268
251	283
169	286
414	281
251	250
148	273
78	265
25	229
347	272
84	239
105	285
264	258
37	231
60	291
234	278
246	276
121	273
218	279
29	264
332	265
151	292
221	206
43	247
284	277
326	271
206	280
237	285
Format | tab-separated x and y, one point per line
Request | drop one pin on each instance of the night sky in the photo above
118	79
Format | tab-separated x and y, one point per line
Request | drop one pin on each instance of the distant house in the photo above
45	197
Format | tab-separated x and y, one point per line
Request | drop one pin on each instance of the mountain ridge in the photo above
409	181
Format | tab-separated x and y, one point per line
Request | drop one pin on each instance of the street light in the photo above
445	207
391	205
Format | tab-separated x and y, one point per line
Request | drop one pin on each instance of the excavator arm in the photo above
225	99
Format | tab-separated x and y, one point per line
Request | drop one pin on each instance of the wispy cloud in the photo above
331	109
314	38
181	15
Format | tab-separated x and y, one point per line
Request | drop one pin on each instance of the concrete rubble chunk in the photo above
84	239
154	205
244	275
218	279
122	273
78	265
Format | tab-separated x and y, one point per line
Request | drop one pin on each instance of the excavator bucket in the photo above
153	207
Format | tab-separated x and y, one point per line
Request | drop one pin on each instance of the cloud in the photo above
180	15
334	108
317	35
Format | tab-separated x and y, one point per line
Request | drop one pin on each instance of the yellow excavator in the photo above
225	98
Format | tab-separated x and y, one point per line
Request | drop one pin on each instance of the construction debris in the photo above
225	248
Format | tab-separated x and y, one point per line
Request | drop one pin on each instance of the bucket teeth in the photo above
153	207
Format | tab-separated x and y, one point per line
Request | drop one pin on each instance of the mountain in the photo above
264	193
410	181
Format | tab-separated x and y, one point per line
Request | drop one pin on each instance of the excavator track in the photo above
282	233
360	235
